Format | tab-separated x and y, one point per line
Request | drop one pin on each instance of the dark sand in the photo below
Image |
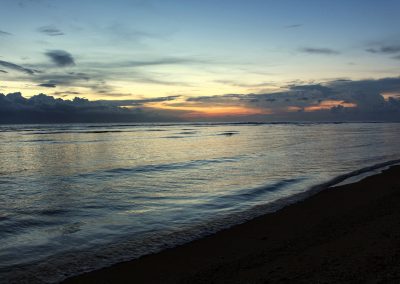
346	234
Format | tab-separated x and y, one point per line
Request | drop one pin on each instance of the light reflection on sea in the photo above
71	189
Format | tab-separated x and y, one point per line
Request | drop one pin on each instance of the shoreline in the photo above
346	233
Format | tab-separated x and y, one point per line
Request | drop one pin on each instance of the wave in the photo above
58	267
163	167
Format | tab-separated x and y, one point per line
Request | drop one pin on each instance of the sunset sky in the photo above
205	58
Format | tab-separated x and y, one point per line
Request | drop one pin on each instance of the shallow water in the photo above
78	197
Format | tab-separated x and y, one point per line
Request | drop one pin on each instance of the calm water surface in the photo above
79	197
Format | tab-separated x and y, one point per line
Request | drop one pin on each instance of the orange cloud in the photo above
394	95
293	108
328	104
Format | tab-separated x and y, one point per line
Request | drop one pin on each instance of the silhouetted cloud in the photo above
47	85
3	33
334	100
66	93
50	31
14	108
324	51
3	71
18	68
61	58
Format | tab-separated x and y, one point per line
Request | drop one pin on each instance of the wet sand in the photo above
345	234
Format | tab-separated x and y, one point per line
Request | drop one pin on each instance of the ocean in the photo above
77	197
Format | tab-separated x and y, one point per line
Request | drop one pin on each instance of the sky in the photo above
201	60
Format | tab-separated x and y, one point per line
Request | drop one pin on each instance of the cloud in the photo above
161	61
323	51
60	58
385	49
14	108
18	68
50	31
138	102
23	3
144	79
66	93
152	62
119	31
244	85
63	79
3	33
3	71
47	85
293	26
337	100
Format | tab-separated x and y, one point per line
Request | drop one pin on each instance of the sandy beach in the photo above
346	234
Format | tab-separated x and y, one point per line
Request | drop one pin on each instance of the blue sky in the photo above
149	49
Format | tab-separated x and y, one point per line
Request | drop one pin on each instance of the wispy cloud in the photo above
18	68
154	62
3	33
50	31
244	85
385	49
293	26
322	51
63	79
47	85
148	80
138	102
66	93
120	31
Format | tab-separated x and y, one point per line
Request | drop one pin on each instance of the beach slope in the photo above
346	234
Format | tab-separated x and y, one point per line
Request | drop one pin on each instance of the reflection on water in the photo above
79	187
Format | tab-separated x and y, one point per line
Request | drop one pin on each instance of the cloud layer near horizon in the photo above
14	108
338	100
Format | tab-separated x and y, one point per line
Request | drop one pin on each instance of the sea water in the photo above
78	197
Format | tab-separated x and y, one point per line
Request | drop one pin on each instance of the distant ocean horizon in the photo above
78	197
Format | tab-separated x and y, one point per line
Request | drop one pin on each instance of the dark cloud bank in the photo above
14	108
370	105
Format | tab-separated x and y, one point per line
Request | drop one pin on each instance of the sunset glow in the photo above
135	60
192	111
328	104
